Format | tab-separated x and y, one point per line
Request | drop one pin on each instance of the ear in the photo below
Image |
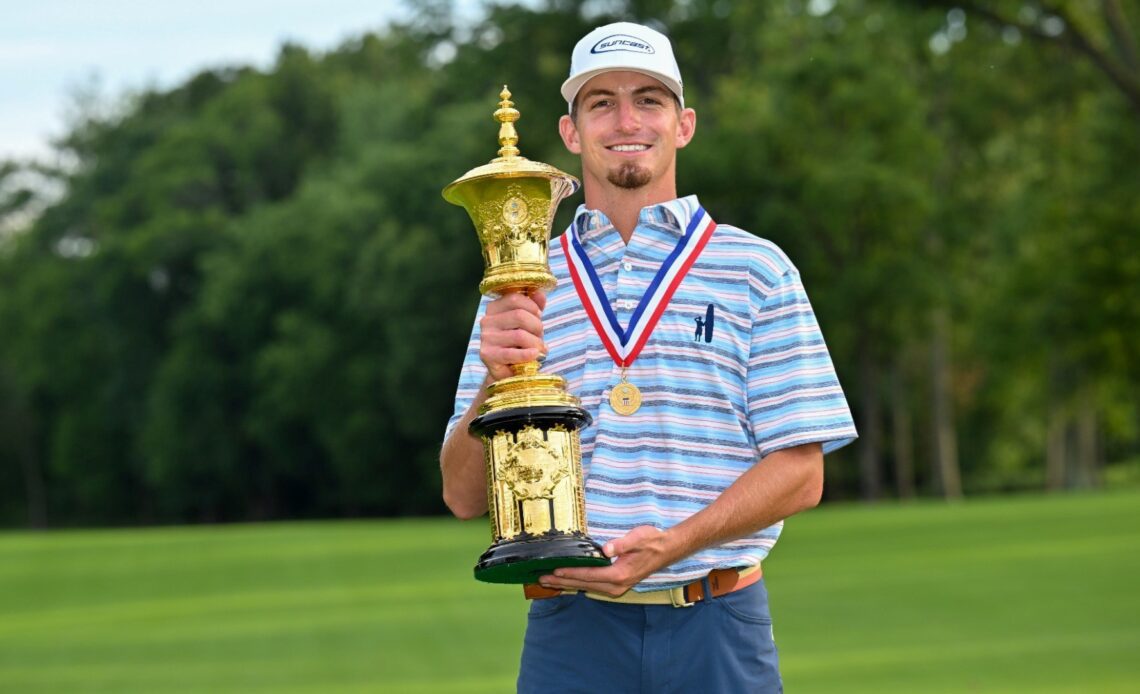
569	133
686	127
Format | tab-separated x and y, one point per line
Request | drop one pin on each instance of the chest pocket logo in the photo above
705	325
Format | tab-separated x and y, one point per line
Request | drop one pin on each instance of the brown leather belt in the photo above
721	582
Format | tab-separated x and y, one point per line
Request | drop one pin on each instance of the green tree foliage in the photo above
250	300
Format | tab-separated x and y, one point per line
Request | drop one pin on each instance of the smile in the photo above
628	148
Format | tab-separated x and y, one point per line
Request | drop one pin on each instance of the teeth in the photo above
629	148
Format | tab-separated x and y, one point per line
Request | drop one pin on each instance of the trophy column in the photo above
529	424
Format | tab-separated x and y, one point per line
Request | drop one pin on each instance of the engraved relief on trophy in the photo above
515	210
532	467
517	233
512	232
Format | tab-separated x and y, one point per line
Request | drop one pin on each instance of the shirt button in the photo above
627	266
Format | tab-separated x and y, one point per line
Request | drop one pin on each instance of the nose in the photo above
629	120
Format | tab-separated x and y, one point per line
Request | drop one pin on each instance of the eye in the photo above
600	103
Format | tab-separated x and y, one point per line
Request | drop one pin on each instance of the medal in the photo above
625	397
624	345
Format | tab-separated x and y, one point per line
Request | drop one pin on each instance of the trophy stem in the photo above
526	368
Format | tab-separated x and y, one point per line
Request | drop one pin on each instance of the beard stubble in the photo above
629	176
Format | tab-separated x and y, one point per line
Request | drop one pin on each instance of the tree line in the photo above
244	298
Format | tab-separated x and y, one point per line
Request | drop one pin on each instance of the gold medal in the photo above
625	398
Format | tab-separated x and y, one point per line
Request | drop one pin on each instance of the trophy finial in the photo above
507	115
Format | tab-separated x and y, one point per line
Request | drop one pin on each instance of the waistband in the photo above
720	582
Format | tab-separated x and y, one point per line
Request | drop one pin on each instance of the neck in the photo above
623	206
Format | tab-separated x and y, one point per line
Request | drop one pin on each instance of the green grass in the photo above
1034	594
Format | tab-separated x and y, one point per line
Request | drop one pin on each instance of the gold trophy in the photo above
529	424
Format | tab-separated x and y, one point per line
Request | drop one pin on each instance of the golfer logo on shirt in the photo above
705	325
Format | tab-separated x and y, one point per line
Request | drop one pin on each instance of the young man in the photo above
687	492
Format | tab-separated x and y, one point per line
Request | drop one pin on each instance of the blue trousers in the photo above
577	644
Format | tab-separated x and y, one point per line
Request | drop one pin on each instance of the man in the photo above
689	490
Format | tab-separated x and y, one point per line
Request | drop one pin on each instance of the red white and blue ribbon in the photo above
625	344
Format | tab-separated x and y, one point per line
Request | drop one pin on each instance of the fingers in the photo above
511	332
636	555
611	580
533	302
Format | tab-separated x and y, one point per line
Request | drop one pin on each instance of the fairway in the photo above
1031	594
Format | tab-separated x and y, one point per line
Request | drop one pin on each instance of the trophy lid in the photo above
509	164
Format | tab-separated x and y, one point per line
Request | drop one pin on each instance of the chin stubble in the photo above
629	176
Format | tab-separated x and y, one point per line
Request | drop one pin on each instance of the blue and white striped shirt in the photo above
715	398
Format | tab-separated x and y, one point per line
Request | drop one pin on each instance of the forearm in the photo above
462	466
781	485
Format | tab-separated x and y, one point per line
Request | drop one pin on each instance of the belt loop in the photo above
677	596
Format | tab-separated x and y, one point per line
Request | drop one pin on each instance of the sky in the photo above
49	49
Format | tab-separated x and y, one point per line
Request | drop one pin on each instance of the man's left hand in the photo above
637	554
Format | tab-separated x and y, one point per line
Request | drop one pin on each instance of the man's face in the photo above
627	130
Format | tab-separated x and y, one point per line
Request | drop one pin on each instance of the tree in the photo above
1102	32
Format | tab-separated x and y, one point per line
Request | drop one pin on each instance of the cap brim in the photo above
572	86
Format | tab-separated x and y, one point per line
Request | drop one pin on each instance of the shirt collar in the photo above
673	215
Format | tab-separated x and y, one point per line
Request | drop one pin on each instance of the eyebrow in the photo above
640	91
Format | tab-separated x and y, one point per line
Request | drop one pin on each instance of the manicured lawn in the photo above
1032	594
1026	594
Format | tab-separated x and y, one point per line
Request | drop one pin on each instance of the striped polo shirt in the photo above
735	369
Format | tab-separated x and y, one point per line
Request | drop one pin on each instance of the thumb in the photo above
539	298
630	541
610	549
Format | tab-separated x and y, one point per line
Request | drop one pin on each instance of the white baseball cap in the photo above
623	46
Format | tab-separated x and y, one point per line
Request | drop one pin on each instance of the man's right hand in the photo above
511	332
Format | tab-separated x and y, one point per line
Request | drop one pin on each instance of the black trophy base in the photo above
524	559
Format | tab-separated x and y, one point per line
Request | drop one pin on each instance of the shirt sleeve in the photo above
794	396
472	374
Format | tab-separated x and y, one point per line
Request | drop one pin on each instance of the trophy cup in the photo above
529	424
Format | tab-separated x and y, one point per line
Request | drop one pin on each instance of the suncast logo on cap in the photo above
622	42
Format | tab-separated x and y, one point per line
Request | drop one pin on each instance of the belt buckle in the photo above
677	597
